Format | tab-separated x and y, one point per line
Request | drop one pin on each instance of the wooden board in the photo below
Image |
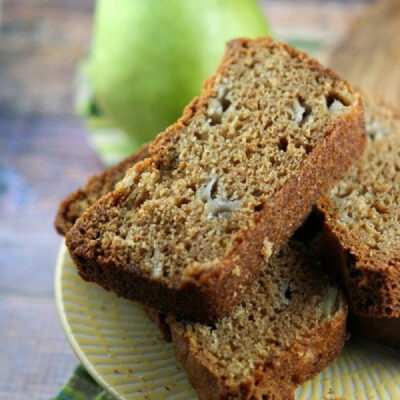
369	55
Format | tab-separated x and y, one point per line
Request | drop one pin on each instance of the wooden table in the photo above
44	154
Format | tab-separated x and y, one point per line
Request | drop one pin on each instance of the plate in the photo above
125	353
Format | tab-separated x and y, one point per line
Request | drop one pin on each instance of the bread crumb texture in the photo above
363	211
74	205
210	175
280	325
367	199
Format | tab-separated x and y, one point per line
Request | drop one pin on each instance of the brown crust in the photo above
206	296
384	330
276	381
159	319
72	207
371	286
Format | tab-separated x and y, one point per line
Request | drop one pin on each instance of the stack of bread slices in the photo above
198	226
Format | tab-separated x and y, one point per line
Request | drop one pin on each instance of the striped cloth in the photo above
81	386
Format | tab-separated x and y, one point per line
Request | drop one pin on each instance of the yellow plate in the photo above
125	353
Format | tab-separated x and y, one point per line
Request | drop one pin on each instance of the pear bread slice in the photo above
361	228
270	133
289	325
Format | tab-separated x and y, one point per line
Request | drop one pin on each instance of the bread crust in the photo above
370	297
207	295
277	381
72	207
275	377
372	287
159	319
383	330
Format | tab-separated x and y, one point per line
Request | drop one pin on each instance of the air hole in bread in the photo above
213	188
182	202
308	148
256	192
259	207
198	135
225	104
288	293
283	144
267	124
248	152
192	187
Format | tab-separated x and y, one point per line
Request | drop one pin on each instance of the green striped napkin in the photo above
81	386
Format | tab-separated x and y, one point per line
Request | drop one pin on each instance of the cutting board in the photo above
369	55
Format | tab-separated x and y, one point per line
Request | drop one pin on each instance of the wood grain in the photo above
41	43
34	359
369	55
44	154
42	158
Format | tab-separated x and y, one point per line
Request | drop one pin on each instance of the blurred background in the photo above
54	133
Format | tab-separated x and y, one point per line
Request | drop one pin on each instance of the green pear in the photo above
150	57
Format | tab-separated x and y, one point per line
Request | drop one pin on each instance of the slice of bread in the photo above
287	328
271	131
334	341
73	206
362	235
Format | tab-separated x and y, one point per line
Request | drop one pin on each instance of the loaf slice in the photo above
362	228
271	131
73	206
287	328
